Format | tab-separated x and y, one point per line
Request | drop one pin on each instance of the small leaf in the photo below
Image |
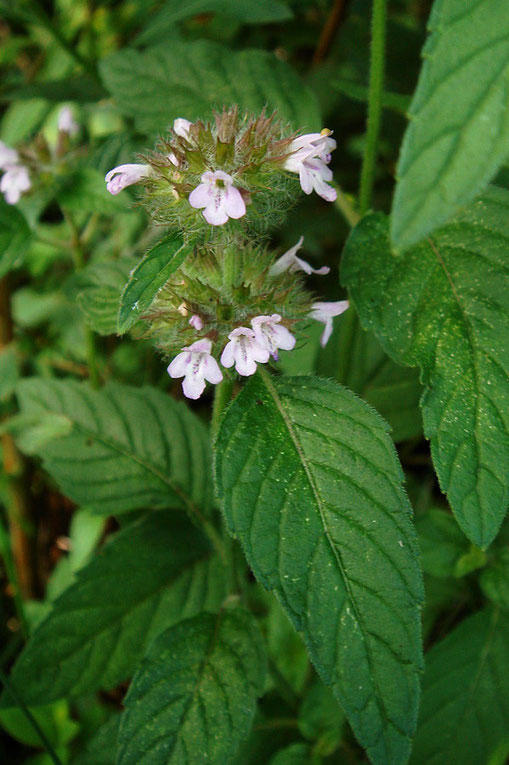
441	541
465	697
311	485
495	580
127	448
294	754
148	277
14	237
459	128
320	718
150	575
195	694
443	306
100	749
99	298
199	76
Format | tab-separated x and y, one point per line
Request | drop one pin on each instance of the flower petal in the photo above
193	386
233	203
211	370
179	365
200	196
214	213
227	356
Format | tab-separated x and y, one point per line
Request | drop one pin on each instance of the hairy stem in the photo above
222	395
329	31
346	207
376	84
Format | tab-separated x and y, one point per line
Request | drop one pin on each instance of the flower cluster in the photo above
16	178
229	305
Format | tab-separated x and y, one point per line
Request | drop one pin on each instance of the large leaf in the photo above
99	297
312	488
201	76
151	575
459	128
443	306
194	697
127	448
14	237
465	696
149	276
172	11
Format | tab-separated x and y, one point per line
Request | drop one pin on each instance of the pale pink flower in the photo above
195	364
244	350
325	312
310	156
66	122
217	194
290	262
15	181
269	332
8	156
181	127
125	175
196	322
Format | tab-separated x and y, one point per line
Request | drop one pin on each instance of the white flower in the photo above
217	194
196	322
325	312
290	262
181	127
8	156
310	156
244	350
269	332
195	365
66	122
125	175
14	182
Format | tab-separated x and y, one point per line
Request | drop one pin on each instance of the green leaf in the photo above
321	719
465	697
100	749
202	76
459	117
9	371
148	577
195	694
443	306
86	191
54	720
311	486
441	541
102	287
128	448
245	11
356	359
81	88
495	580
14	237
149	276
294	754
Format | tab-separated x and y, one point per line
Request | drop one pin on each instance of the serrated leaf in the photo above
459	128
173	11
99	297
195	693
443	306
441	541
149	276
465	696
148	577
201	76
14	237
311	486
128	448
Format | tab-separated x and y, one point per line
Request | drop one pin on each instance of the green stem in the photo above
79	263
222	395
345	207
31	719
376	84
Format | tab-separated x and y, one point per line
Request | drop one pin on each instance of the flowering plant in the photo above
253	431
